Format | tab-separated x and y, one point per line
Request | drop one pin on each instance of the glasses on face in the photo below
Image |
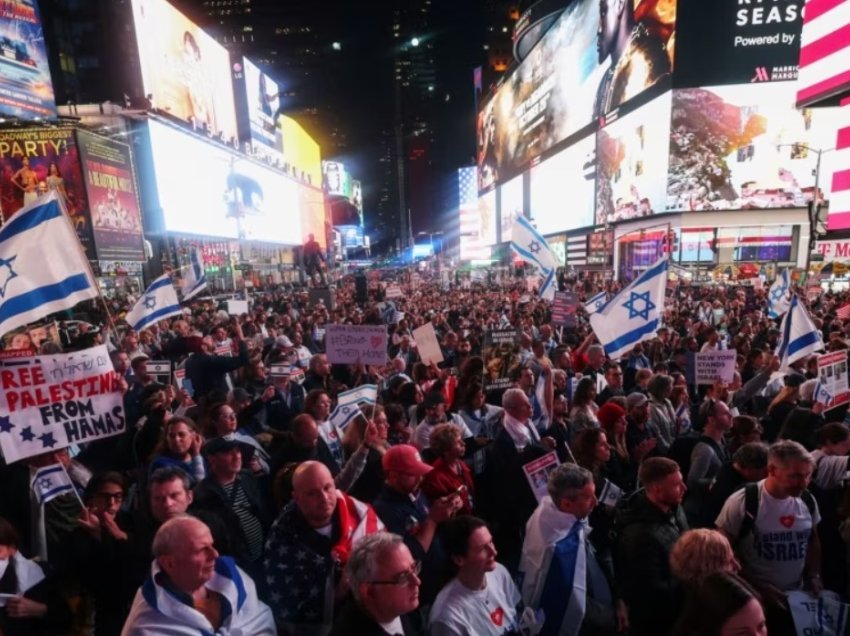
402	578
111	496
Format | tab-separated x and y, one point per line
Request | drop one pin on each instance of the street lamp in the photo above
814	205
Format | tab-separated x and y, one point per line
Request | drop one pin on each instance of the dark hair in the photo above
395	414
716	600
584	448
656	469
407	393
752	455
101	479
832	433
455	534
582	393
312	399
8	534
167	474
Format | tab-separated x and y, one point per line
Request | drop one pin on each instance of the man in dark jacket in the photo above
384	580
208	372
649	526
748	465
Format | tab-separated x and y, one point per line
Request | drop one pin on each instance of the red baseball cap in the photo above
404	458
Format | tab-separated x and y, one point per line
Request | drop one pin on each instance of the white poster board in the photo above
427	344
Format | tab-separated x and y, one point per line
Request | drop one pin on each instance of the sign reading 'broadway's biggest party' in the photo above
51	402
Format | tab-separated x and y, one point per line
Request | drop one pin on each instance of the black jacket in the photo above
207	372
351	619
645	537
58	617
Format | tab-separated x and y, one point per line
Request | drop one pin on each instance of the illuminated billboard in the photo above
186	72
204	189
300	151
632	160
26	90
510	206
576	75
313	214
746	147
337	179
111	188
471	245
487	217
825	54
737	41
33	161
562	188
263	98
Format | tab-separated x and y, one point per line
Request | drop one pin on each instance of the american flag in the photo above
576	251
471	245
824	51
843	312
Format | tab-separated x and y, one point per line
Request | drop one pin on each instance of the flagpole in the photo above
73	487
67	218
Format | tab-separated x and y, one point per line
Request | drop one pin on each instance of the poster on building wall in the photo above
832	374
111	187
35	160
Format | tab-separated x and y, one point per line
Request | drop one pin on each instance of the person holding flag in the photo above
530	245
194	278
778	300
798	336
157	303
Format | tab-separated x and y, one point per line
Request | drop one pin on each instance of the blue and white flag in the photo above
343	415
531	247
43	268
634	314
51	482
798	335
592	305
157	303
367	393
194	278
822	394
549	285
778	301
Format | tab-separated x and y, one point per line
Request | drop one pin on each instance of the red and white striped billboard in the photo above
839	205
824	53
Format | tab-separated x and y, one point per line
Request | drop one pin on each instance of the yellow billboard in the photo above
300	151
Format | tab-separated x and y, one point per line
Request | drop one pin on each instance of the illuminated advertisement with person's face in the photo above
598	55
487	217
337	179
26	90
206	190
263	97
111	188
510	206
745	147
562	188
35	161
632	159
184	70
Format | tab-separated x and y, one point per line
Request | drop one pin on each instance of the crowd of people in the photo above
235	502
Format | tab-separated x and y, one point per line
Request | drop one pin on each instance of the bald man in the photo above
307	548
193	590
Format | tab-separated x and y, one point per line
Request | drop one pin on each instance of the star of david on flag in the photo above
158	303
778	300
634	314
50	482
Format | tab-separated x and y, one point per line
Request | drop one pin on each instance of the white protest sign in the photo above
237	307
427	344
710	366
537	473
350	344
825	615
393	291
832	373
50	402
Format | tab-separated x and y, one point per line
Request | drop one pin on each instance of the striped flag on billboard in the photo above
576	251
824	52
843	312
471	244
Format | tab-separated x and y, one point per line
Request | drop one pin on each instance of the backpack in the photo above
751	509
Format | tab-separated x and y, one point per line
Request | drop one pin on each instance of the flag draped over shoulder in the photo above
194	279
157	303
778	301
43	268
798	335
634	314
531	247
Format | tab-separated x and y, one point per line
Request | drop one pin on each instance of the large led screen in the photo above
582	69
263	98
206	190
26	90
737	41
111	188
313	214
510	206
300	151
186	71
487	216
33	161
632	161
746	147
471	245
562	188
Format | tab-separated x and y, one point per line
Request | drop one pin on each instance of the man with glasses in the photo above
384	580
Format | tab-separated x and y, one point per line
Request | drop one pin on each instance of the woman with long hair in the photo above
723	605
367	434
180	447
583	413
620	469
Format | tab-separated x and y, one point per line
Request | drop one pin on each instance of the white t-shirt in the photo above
459	611
775	550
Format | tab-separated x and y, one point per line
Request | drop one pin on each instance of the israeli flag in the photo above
549	286
822	394
50	482
634	314
157	303
592	305
531	247
194	278
367	393
798	336
777	298
343	415
43	268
